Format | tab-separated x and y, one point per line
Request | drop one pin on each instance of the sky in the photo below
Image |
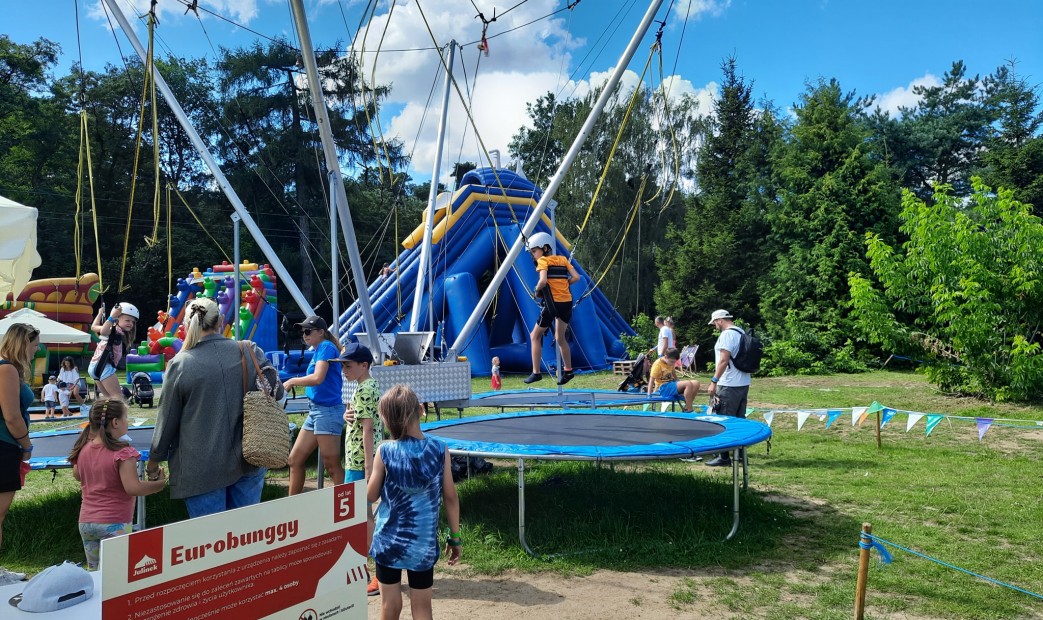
881	48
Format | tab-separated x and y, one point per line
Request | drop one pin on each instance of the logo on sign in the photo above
146	554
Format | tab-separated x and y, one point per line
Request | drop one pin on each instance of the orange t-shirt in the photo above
557	268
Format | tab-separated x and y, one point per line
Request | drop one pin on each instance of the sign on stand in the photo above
299	557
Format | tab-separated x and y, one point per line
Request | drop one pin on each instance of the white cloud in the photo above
695	9
903	96
242	11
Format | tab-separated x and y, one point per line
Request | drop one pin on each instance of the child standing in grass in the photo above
107	470
411	477
497	380
63	398
49	396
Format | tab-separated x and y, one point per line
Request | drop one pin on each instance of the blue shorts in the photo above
50	404
105	374
351	475
325	419
668	390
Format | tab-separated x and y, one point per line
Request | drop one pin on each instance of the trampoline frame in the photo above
737	454
535	399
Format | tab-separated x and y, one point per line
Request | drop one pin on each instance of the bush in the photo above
646	338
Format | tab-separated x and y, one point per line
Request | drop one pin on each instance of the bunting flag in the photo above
887	415
874	407
802	417
768	417
932	420
983	426
832	416
913	419
858	414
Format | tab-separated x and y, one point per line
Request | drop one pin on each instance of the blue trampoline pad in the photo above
596	435
51	448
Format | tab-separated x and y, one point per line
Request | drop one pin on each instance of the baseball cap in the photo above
56	587
719	314
313	322
354	352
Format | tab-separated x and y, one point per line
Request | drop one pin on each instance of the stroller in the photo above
638	377
143	392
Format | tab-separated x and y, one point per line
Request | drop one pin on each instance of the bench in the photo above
623	367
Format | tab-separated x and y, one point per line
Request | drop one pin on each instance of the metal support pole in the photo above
521	508
215	169
329	150
424	277
238	289
334	261
735	494
548	194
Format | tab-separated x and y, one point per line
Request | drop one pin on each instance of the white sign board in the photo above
299	557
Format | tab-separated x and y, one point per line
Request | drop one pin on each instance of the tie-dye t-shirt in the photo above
406	532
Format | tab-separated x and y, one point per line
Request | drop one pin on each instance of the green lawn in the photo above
977	505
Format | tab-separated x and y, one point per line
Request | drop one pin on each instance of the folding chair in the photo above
687	360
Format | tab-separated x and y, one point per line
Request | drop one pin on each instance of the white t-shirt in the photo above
667	334
70	376
730	339
63	397
50	392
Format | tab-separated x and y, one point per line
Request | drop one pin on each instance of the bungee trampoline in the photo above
51	451
533	399
599	435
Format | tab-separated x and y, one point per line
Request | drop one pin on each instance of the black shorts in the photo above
10	467
418	580
561	310
732	400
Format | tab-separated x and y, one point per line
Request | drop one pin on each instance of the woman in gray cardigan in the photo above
199	429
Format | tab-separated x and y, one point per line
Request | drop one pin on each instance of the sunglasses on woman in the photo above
307	332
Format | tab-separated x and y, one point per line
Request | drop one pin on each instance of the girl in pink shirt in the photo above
106	467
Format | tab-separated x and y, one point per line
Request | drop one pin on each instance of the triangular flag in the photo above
932	420
983	426
874	407
887	415
858	414
821	417
802	417
768	417
913	419
832	417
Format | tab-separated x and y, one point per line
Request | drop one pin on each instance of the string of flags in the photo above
858	415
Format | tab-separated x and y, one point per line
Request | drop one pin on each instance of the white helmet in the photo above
539	240
129	308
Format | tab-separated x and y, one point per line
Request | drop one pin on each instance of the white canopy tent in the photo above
18	255
51	332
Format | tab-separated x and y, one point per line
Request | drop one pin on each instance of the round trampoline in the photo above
600	435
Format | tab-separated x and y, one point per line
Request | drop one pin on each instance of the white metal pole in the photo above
329	150
236	274
552	187
423	276
334	262
215	169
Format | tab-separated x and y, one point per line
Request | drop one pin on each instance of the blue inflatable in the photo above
473	232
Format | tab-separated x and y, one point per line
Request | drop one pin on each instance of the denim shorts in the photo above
105	374
325	419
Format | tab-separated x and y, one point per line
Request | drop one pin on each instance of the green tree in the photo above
833	189
719	256
962	293
1014	157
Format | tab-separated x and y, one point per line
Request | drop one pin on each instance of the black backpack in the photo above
751	350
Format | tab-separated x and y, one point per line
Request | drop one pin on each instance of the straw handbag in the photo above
266	435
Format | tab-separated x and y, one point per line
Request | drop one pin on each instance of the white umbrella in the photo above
18	255
51	332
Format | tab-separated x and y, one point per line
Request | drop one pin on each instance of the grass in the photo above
977	505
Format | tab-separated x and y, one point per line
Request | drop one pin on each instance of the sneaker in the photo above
373	588
696	459
566	376
719	461
534	377
8	577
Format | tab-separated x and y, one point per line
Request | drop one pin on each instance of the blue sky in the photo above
880	48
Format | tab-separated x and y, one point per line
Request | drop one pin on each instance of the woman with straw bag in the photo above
199	429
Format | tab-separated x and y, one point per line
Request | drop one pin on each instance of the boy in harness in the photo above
556	274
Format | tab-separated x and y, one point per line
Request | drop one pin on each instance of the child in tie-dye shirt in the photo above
411	476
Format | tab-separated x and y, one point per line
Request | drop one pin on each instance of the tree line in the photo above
810	225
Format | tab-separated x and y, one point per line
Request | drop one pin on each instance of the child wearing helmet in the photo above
115	336
556	274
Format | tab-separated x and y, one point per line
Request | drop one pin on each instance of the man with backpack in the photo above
730	383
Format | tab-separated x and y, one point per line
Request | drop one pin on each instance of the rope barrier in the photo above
877	543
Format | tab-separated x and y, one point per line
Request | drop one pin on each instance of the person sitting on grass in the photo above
663	378
556	274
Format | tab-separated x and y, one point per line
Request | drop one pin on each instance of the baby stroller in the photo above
638	377
143	392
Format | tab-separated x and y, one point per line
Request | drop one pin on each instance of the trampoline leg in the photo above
735	495
140	501
319	473
745	469
521	508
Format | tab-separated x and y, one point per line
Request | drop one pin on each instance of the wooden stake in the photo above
863	571
878	444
